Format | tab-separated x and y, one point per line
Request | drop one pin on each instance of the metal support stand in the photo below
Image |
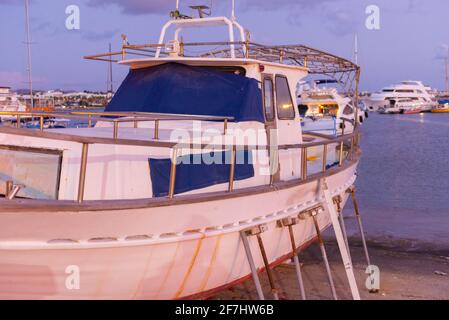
252	265
337	201
324	254
359	222
341	242
289	223
257	231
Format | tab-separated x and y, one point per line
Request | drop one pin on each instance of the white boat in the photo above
103	213
414	90
404	106
326	111
9	102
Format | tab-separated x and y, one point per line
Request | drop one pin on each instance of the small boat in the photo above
326	111
50	123
442	107
9	102
403	106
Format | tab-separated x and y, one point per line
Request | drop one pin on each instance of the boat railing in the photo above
115	118
316	61
351	141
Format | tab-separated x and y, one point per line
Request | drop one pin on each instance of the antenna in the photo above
202	10
28	43
233	10
356	50
447	71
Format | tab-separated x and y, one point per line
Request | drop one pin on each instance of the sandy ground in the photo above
404	275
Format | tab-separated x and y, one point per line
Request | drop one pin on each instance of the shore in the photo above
404	275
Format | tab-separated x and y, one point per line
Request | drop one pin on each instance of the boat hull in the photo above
167	252
440	110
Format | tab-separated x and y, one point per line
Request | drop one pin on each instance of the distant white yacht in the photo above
414	90
9	102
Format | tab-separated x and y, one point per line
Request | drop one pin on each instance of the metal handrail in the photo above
120	117
353	138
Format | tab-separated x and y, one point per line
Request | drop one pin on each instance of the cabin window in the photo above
37	171
268	99
348	110
199	171
284	100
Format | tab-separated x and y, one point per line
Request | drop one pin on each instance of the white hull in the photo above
173	263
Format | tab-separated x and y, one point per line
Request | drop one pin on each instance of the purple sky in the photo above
409	45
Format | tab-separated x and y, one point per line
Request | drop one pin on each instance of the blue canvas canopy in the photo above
181	89
192	174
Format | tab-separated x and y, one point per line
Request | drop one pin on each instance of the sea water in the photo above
403	179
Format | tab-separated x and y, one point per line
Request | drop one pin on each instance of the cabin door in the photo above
288	128
270	124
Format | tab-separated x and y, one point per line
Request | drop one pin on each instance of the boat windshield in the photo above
174	88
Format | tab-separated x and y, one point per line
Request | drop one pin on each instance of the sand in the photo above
404	275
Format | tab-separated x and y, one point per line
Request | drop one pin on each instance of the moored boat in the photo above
151	201
442	107
328	112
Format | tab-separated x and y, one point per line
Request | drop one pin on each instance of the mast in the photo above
447	71
356	50
28	43
110	87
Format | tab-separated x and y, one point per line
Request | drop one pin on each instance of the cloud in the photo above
136	6
95	36
269	5
165	6
340	22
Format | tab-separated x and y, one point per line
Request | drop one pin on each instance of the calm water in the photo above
405	161
403	183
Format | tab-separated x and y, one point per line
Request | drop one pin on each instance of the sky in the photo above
409	45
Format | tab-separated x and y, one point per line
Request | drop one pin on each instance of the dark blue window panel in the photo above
181	89
193	172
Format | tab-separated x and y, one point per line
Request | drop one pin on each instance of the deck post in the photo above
225	126
324	157
156	130
83	168
340	162
41	123
232	168
252	265
174	159
115	131
9	185
304	164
